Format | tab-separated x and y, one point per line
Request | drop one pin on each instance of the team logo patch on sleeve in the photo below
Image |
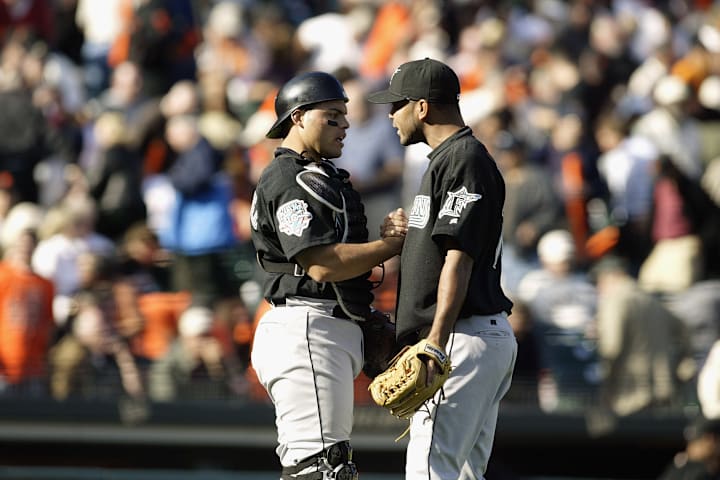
293	217
420	212
456	202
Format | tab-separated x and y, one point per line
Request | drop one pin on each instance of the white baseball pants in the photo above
307	361
453	437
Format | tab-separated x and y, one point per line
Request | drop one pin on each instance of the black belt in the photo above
288	268
337	310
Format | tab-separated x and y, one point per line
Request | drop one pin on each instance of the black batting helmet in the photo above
300	91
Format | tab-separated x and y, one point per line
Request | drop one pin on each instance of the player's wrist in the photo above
393	245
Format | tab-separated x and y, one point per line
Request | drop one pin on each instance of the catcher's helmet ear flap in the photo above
303	90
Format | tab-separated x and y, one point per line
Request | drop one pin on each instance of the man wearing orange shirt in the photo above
26	320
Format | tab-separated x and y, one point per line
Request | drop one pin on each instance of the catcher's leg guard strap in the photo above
333	463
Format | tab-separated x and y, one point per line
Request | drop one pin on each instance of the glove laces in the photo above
427	410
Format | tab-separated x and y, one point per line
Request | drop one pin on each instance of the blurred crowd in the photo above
132	135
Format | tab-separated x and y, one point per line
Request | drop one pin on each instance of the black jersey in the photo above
461	196
287	219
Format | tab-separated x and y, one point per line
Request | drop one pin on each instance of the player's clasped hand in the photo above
433	369
395	224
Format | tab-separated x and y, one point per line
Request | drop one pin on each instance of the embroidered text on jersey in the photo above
457	201
253	212
293	217
420	213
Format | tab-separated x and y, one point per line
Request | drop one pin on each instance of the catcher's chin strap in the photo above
333	463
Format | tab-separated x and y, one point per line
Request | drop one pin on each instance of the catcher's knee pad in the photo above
333	463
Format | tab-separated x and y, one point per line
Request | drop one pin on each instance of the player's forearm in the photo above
342	261
452	289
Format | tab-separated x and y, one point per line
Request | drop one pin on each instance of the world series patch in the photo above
293	217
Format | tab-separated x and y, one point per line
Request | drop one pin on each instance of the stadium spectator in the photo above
20	217
147	135
231	50
160	312
27	18
115	179
570	158
124	93
643	348
56	256
626	164
532	207
100	24
680	208
698	306
26	138
26	321
160	37
563	303
142	261
196	365
217	123
344	52
93	359
605	61
671	127
199	231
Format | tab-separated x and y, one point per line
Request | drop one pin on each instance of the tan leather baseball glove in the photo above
401	388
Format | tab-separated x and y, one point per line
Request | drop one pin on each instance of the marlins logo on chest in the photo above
456	202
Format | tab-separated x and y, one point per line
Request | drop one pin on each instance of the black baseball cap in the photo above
427	79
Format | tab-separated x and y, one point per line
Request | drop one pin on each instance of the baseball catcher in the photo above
404	387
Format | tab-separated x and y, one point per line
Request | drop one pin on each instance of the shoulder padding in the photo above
320	186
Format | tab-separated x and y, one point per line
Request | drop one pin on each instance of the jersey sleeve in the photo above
300	221
467	207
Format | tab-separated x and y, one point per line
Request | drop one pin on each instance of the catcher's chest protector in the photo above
331	186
